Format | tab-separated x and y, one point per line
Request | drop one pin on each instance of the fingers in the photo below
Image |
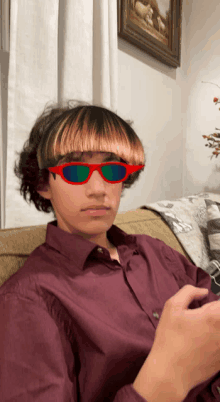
184	297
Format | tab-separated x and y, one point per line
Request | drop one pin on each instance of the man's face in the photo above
69	200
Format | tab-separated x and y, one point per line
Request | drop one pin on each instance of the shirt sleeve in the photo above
33	354
128	394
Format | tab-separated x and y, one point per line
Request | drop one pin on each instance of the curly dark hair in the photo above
62	130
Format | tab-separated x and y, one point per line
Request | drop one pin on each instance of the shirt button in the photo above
100	250
218	389
156	315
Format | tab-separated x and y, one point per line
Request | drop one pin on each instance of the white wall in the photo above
154	96
202	115
172	109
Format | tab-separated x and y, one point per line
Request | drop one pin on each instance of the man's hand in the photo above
186	349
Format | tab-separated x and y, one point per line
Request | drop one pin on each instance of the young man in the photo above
96	314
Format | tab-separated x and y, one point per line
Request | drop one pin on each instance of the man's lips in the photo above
96	212
95	208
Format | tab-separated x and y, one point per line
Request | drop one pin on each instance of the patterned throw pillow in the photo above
213	225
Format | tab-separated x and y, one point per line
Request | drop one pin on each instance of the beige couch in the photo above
18	243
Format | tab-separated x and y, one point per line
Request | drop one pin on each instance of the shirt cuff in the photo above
128	394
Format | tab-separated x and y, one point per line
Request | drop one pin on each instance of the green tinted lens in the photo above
76	173
79	173
114	172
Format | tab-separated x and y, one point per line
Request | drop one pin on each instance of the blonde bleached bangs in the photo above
89	128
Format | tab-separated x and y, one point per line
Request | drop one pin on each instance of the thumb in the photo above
187	294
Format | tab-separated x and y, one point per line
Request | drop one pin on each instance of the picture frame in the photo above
154	26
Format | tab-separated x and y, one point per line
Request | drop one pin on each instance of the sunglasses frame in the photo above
96	166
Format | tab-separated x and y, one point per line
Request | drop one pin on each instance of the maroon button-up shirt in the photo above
77	326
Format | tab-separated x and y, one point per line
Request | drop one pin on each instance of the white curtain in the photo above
59	50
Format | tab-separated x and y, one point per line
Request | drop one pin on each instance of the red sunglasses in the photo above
80	173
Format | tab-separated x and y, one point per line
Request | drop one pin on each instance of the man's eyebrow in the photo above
114	157
70	158
111	158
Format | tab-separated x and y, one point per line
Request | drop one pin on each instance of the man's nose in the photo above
96	176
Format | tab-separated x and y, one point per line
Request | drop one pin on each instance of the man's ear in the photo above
43	189
44	193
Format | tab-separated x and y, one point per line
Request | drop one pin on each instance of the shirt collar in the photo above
78	249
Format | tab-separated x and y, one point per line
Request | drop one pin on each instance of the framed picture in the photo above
154	26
